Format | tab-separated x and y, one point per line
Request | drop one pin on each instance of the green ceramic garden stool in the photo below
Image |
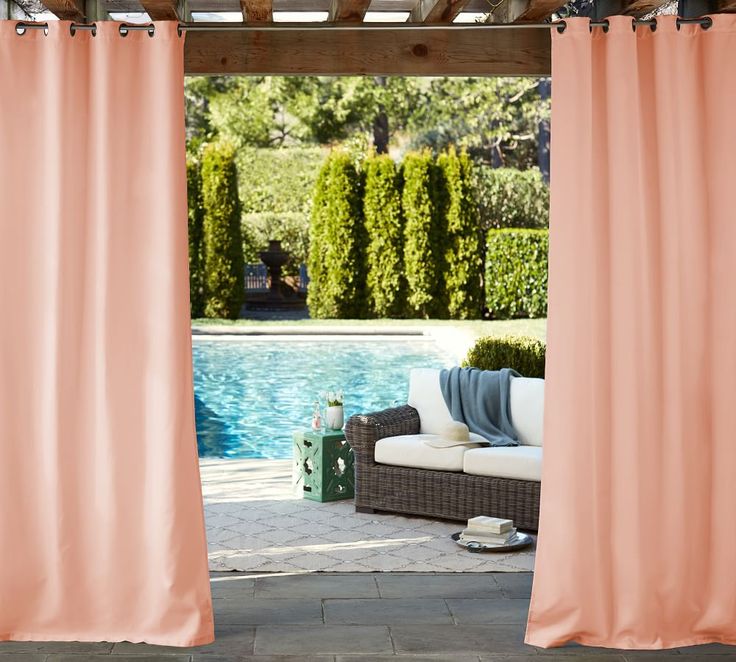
323	465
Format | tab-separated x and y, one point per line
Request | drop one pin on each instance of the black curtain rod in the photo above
705	22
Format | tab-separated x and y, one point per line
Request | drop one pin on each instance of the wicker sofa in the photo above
454	495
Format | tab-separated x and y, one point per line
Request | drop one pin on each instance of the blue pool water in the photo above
250	395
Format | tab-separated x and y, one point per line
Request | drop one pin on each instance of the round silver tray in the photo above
522	540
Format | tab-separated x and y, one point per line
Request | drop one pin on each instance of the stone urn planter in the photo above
274	258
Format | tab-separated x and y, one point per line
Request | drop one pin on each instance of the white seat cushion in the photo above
425	395
520	462
527	409
409	450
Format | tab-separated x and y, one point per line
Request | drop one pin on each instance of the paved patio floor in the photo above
360	617
255	523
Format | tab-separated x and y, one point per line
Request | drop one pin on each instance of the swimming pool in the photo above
251	394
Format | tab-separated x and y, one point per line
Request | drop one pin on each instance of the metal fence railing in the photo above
256	278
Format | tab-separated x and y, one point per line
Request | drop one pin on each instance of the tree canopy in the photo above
495	119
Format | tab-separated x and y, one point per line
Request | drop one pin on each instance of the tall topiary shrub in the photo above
337	267
463	254
223	242
516	273
424	237
317	241
525	355
386	288
196	237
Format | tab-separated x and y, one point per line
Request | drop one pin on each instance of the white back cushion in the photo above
425	395
527	409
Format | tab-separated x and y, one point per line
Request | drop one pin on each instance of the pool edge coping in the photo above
215	330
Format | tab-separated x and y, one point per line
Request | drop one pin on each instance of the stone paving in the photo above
362	617
255	522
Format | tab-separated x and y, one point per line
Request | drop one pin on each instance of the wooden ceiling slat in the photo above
407	50
477	6
257	11
66	10
436	11
639	8
524	11
636	8
348	11
163	10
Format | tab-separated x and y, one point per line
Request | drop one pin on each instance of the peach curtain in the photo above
637	540
101	523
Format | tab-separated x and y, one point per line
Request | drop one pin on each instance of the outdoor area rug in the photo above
256	522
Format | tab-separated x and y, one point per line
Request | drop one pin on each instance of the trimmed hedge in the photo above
384	223
510	198
463	261
196	238
223	242
523	354
424	236
290	228
516	273
337	268
279	180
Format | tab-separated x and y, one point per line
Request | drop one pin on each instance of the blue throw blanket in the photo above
480	399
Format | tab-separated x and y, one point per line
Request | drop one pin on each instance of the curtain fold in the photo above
637	539
101	521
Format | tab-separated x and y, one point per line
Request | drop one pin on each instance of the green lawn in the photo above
524	327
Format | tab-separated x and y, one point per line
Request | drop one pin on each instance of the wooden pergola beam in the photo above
257	11
347	11
163	10
66	10
436	11
284	49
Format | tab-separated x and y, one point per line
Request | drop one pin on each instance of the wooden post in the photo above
695	8
543	160
9	10
95	11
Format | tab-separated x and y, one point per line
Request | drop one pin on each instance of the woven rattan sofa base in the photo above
440	494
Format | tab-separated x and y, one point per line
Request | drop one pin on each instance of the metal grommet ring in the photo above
604	25
560	26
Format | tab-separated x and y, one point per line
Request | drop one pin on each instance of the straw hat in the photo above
455	431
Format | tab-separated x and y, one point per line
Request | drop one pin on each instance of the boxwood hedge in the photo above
523	354
516	273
